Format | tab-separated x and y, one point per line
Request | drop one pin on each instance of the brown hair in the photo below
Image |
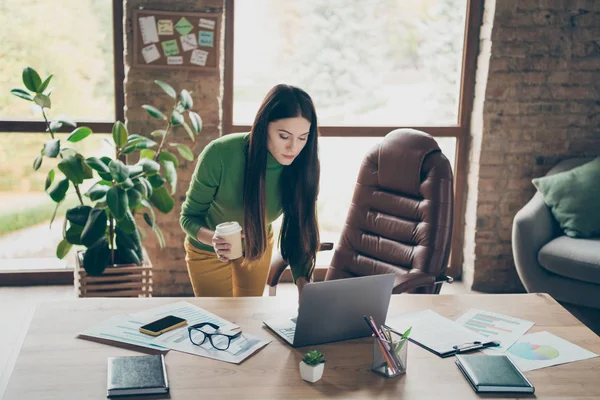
299	237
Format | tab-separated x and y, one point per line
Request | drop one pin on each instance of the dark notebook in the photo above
137	375
493	374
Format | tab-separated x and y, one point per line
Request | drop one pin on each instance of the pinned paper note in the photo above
199	57
165	27
206	23
183	26
205	38
188	42
170	47
150	53
148	29
175	60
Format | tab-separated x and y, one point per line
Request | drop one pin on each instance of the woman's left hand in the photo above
300	282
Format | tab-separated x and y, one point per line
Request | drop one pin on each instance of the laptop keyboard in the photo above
288	333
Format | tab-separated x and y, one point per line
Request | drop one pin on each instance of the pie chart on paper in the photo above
530	351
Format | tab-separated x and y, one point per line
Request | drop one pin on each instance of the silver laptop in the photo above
331	311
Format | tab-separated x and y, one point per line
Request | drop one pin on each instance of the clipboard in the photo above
437	334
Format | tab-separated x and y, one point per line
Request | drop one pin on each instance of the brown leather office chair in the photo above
401	216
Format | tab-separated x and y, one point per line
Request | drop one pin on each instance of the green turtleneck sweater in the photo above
216	192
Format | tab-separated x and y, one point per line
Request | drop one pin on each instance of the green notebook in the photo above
493	374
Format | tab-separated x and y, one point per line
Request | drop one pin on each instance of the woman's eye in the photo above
284	137
303	139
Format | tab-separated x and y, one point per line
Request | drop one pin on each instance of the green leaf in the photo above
118	170
127	256
166	155
159	236
170	175
79	134
162	200
189	131
58	191
186	99
54	213
78	215
131	241
73	234
150	167
97	192
140	188
159	132
45	84
156	181
95	227
98	165
133	197
49	179
31	79
154	112
152	215
116	198
184	151
147	153
68	151
51	148
42	100
97	257
138	144
63	249
135	170
127	184
176	118
148	186
22	94
48	91
66	120
55	126
127	223
119	134
75	168
196	121
37	163
148	220
167	88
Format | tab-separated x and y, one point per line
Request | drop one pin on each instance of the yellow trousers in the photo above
213	278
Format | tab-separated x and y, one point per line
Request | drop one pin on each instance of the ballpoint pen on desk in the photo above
384	347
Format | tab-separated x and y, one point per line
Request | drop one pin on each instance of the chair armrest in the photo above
412	280
278	265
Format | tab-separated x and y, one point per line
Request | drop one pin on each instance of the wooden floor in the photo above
18	303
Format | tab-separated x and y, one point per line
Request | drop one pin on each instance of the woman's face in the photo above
287	137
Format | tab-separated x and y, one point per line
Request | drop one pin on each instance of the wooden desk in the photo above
54	364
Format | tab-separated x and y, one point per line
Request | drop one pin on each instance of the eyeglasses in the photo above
218	340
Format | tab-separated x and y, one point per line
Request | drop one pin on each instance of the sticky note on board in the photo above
206	23
170	47
199	57
165	27
150	53
175	60
188	42
183	26
148	29
205	38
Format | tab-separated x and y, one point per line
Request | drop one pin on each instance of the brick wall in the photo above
537	101
169	269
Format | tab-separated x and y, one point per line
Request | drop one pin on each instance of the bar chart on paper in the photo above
502	328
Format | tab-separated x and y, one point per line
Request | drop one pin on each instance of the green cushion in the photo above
574	198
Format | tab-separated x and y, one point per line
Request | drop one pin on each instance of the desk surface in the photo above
54	364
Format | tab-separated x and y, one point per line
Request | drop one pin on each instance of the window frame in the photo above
65	276
460	131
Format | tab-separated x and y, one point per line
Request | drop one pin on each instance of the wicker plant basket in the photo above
124	280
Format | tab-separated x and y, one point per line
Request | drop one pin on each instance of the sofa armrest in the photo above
533	227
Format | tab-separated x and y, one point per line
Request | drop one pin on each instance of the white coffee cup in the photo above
231	232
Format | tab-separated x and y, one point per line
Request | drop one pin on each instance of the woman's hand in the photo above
222	247
300	282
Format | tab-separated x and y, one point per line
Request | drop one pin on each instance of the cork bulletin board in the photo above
176	40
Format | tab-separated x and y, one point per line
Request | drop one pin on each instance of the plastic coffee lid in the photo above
227	228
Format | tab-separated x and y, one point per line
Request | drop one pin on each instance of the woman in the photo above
253	178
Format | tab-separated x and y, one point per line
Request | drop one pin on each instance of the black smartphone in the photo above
162	325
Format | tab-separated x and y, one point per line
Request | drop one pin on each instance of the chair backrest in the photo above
401	215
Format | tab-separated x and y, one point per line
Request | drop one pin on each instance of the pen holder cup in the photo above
398	352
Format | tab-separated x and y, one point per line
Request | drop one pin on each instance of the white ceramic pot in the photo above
311	373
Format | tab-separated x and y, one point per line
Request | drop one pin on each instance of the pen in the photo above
474	346
389	359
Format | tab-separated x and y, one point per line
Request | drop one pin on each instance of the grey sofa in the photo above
548	261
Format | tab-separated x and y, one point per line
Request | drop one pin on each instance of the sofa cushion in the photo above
573	197
573	258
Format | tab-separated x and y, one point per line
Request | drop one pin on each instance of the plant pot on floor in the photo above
119	280
311	373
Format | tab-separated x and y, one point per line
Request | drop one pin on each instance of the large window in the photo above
75	41
371	66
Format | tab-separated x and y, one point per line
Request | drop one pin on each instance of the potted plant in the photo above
103	222
312	365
